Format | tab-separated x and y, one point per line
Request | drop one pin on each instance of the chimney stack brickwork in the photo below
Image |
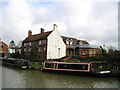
29	33
42	30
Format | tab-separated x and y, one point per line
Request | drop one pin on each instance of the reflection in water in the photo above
16	78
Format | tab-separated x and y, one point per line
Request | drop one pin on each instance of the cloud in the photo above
93	21
15	21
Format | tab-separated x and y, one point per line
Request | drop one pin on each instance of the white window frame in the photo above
29	49
29	43
40	42
80	42
71	42
67	41
24	49
84	52
39	49
94	51
24	44
44	48
91	52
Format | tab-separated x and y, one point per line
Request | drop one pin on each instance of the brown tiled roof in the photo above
35	37
83	41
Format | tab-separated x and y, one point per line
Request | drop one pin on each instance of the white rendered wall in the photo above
56	48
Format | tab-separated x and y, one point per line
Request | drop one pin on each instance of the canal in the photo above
17	78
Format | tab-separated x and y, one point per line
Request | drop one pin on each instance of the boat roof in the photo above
68	62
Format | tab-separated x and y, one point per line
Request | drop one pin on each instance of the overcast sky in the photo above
93	20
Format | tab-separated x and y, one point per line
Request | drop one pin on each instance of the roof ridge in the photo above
40	33
38	36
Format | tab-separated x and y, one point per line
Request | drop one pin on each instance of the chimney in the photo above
42	30
54	27
29	33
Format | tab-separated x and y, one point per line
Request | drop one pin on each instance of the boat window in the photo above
18	62
55	65
73	66
49	65
25	63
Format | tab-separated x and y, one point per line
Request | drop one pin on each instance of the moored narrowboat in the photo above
17	63
79	68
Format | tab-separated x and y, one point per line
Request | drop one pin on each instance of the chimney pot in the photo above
54	27
42	30
29	33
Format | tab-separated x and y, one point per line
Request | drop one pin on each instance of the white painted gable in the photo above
56	48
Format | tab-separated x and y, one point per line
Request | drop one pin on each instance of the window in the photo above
67	41
24	49
71	42
77	42
39	50
40	42
84	52
91	52
44	48
29	49
24	44
49	65
73	66
29	43
80	42
1	46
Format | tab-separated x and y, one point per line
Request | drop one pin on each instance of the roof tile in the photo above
35	37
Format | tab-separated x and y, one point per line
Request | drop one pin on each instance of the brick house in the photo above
46	45
75	47
50	45
3	49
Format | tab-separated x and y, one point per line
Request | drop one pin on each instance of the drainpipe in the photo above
59	53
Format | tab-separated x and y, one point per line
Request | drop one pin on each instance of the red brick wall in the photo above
40	54
4	49
90	52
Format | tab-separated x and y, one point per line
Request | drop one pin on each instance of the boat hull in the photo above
91	74
73	68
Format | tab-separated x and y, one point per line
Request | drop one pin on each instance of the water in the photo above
17	78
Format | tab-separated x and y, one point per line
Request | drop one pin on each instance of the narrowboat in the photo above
17	63
79	68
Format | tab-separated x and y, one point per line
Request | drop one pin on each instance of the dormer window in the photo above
71	41
80	42
67	41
